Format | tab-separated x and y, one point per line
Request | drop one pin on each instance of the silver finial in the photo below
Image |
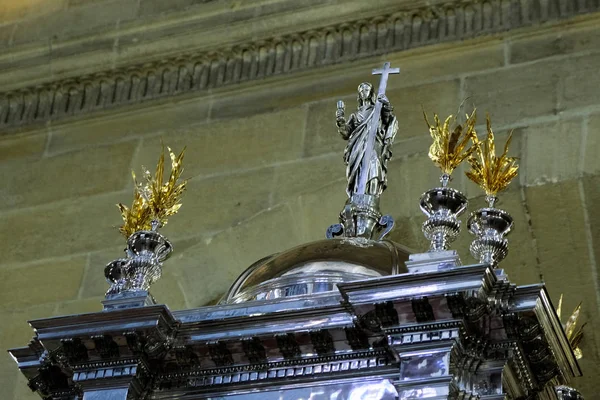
153	202
490	226
130	278
442	206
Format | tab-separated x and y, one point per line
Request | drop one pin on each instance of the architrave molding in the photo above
279	55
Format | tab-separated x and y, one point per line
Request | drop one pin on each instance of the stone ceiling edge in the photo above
197	72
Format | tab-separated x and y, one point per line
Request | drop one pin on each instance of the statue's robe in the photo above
359	125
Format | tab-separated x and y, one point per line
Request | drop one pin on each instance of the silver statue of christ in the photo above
359	154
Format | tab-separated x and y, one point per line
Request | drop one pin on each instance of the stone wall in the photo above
265	163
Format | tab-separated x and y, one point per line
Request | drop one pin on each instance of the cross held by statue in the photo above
364	170
384	72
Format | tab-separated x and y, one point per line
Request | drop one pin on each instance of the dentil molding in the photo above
285	54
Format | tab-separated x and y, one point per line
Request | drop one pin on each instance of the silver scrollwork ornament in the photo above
568	393
115	273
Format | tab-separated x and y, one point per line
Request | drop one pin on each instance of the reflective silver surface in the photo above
442	206
370	132
343	318
317	267
146	250
367	390
461	332
490	226
433	261
361	219
568	393
106	394
424	364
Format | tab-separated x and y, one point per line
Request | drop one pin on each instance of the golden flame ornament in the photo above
491	173
154	200
449	147
136	218
573	334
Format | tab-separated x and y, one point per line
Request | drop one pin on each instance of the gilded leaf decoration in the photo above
449	147
154	200
137	217
490	172
574	334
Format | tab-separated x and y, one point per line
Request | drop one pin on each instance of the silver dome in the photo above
317	267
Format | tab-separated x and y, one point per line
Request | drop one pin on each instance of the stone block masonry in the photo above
266	170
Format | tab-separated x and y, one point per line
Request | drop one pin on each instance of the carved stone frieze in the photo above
396	30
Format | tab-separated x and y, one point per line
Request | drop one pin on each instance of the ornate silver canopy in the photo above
351	317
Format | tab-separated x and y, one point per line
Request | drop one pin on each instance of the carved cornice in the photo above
201	71
149	350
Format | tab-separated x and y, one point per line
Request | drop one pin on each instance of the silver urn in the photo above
490	226
146	250
442	206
